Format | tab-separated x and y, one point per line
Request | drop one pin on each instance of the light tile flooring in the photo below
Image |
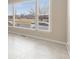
28	48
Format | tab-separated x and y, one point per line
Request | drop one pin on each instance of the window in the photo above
25	14
43	14
32	14
10	15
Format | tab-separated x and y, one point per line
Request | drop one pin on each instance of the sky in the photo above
27	6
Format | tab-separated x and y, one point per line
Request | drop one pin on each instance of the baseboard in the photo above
54	41
68	48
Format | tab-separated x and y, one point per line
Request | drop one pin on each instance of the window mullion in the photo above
50	22
13	13
37	14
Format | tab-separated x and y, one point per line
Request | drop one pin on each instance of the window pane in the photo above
25	14
44	6
10	15
44	15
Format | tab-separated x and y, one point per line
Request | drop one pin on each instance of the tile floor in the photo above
28	48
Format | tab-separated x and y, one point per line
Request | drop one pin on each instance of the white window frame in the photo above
37	15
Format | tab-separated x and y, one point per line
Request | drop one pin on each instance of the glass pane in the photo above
25	14
44	6
10	15
43	22
44	15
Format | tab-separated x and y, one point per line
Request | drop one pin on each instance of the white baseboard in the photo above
37	37
68	48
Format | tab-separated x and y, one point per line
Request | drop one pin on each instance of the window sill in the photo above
39	30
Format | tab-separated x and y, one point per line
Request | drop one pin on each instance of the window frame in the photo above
37	15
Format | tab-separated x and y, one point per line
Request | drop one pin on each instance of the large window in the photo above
32	14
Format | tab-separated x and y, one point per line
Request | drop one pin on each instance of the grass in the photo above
24	21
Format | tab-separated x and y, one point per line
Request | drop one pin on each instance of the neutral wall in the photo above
59	23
